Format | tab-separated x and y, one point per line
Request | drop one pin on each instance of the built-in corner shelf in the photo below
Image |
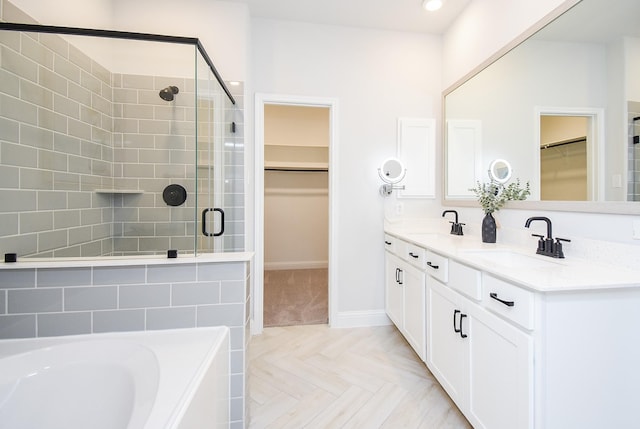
119	191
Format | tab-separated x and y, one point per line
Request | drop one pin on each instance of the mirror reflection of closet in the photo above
296	214
563	158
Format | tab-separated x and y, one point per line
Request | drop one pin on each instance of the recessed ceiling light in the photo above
432	5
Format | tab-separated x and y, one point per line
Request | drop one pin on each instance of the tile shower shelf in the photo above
119	191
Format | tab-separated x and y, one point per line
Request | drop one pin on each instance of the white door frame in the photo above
595	146
257	323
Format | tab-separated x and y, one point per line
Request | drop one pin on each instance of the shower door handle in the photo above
204	222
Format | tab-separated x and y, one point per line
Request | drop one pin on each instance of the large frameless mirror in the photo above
582	65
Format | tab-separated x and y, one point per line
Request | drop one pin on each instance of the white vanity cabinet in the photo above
483	362
501	372
525	343
405	291
447	347
394	289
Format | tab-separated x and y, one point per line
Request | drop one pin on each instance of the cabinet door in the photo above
501	373
414	309
447	350
394	290
417	151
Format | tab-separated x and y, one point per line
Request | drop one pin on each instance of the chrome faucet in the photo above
456	228
546	246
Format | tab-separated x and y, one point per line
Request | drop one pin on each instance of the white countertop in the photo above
535	272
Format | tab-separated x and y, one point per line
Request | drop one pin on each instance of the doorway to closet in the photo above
296	214
261	225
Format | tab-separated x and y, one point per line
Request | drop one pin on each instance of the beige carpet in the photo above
295	297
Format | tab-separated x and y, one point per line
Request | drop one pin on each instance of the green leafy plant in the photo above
492	196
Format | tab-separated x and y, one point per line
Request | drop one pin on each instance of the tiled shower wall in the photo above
55	146
69	127
154	146
633	184
40	302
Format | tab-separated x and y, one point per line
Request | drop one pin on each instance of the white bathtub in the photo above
155	379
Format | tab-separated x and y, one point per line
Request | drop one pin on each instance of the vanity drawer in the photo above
390	243
437	266
466	280
509	301
415	255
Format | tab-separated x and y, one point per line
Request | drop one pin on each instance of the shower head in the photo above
167	93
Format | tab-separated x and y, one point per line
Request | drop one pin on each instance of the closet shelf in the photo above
307	166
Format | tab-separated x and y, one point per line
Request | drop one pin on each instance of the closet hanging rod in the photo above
550	145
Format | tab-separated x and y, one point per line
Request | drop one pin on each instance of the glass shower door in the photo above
210	157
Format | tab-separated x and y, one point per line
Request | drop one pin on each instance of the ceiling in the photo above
395	15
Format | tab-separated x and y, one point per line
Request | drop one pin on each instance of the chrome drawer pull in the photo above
507	303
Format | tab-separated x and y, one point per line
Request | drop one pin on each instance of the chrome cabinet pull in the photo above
507	303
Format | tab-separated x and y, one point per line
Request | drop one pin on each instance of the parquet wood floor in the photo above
314	376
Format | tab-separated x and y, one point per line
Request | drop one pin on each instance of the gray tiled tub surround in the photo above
69	126
40	302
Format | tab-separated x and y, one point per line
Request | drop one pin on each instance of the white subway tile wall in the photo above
69	126
43	302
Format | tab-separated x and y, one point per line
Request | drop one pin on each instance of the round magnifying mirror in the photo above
392	170
500	170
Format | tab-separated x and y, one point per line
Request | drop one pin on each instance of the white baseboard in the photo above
295	265
359	319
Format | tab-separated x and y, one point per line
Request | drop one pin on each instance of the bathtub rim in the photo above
175	390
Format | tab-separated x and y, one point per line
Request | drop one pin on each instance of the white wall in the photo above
296	220
376	76
222	27
632	69
484	28
72	13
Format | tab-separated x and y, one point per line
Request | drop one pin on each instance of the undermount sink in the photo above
509	259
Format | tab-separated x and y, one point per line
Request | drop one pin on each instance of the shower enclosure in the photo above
115	144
